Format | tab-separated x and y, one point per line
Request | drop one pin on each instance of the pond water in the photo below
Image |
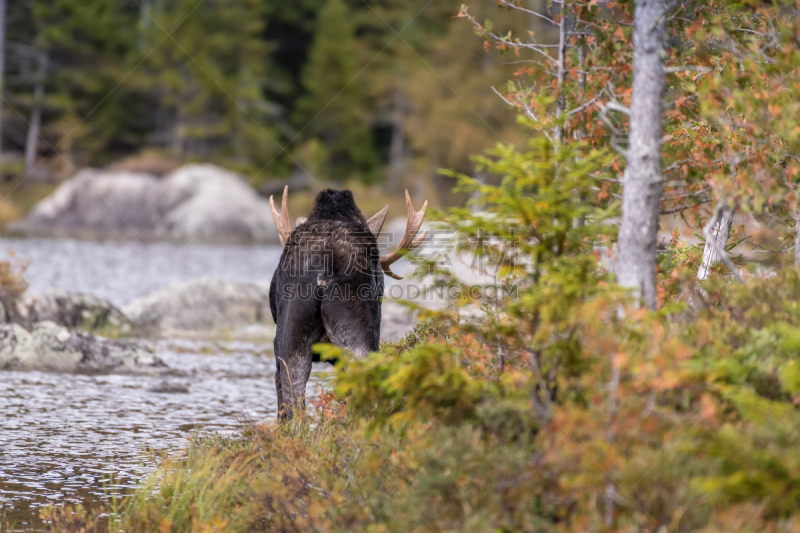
80	439
123	271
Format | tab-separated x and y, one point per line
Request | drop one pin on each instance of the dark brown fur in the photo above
327	288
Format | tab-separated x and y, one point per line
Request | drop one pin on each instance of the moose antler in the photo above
375	223
410	239
282	220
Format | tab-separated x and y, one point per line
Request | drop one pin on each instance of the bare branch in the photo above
585	105
540	48
688	194
676	164
512	5
749	31
525	108
603	116
540	394
616	106
682	208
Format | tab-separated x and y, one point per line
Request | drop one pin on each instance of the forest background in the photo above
382	93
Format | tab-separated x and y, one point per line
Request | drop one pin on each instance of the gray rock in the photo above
53	348
197	201
168	387
202	305
72	310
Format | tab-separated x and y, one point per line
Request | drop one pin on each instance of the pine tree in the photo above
206	65
84	45
332	108
430	81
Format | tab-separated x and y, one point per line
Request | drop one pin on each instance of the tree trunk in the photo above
144	14
721	232
144	22
558	133
2	67
31	144
176	137
397	148
797	240
642	195
480	177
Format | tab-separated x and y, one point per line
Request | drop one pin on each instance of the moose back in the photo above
328	285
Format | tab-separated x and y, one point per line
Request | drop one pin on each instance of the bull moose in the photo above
329	284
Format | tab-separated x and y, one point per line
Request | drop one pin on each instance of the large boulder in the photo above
75	310
207	306
53	348
196	201
211	307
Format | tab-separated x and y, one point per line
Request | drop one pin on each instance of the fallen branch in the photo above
684	68
711	241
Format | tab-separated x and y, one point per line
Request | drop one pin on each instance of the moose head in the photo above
328	284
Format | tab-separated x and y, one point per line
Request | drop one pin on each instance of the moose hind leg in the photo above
294	375
293	356
354	325
279	389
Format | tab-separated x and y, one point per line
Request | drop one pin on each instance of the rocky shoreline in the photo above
63	331
50	347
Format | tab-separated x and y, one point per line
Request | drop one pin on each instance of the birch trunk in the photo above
721	233
641	198
31	143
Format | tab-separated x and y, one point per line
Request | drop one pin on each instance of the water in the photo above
80	439
123	271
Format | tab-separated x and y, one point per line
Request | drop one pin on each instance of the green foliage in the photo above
235	82
87	44
540	235
421	383
684	420
261	87
330	108
330	477
211	77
